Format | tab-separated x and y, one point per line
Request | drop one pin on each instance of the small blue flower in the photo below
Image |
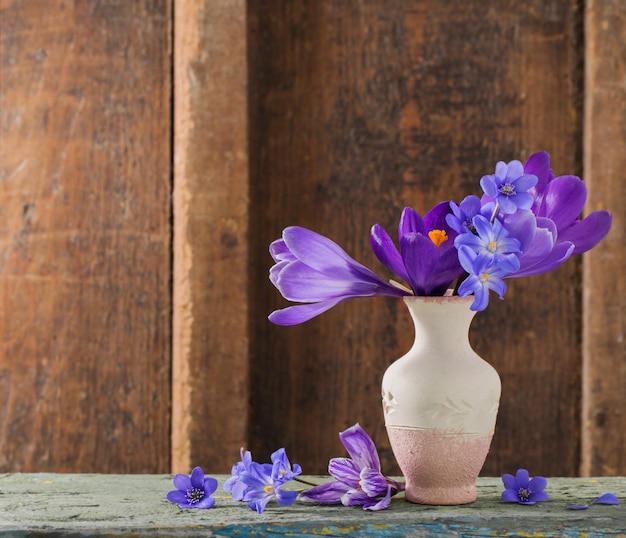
460	220
234	484
485	273
509	185
491	238
522	489
281	467
265	482
193	491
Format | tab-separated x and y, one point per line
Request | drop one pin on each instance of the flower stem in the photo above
304	481
495	212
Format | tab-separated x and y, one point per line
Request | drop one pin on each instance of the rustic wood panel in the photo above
85	236
604	413
360	108
210	349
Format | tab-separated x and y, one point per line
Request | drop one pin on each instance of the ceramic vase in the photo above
440	402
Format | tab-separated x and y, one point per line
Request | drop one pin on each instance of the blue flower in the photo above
358	481
509	186
460	220
282	467
485	273
193	491
522	489
234	484
265	482
491	238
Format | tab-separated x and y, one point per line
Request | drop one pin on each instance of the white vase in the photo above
440	402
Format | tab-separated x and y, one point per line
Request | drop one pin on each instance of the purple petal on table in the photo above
607	498
327	493
360	447
345	470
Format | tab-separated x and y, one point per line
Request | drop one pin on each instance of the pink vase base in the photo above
440	467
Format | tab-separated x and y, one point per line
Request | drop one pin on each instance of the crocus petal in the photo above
435	219
360	447
564	200
373	483
327	493
345	470
381	504
607	498
355	497
587	233
292	315
182	482
559	254
386	251
410	222
420	257
538	164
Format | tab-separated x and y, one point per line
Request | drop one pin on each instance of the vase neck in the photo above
440	321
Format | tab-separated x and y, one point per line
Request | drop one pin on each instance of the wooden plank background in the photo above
85	236
330	115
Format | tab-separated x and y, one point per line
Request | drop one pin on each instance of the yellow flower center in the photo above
485	276
439	237
268	489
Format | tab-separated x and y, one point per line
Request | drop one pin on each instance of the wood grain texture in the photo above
604	413
210	350
85	236
360	108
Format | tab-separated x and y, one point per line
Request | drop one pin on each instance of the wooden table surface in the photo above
135	505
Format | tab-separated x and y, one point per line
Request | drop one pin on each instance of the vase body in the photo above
440	402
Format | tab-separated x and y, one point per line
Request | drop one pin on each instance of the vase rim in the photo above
440	299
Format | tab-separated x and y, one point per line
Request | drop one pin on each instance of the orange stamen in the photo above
438	237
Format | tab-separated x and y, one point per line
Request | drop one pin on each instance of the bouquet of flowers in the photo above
526	222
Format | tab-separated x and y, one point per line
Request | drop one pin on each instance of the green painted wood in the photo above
135	505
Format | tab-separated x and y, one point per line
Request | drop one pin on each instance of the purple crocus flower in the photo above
265	482
358	479
427	260
522	489
485	273
509	186
312	269
562	199
193	491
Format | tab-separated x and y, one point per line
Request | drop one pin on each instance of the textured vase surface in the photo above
440	402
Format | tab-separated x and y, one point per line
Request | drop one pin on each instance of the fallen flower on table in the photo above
607	498
358	480
258	483
522	489
193	491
